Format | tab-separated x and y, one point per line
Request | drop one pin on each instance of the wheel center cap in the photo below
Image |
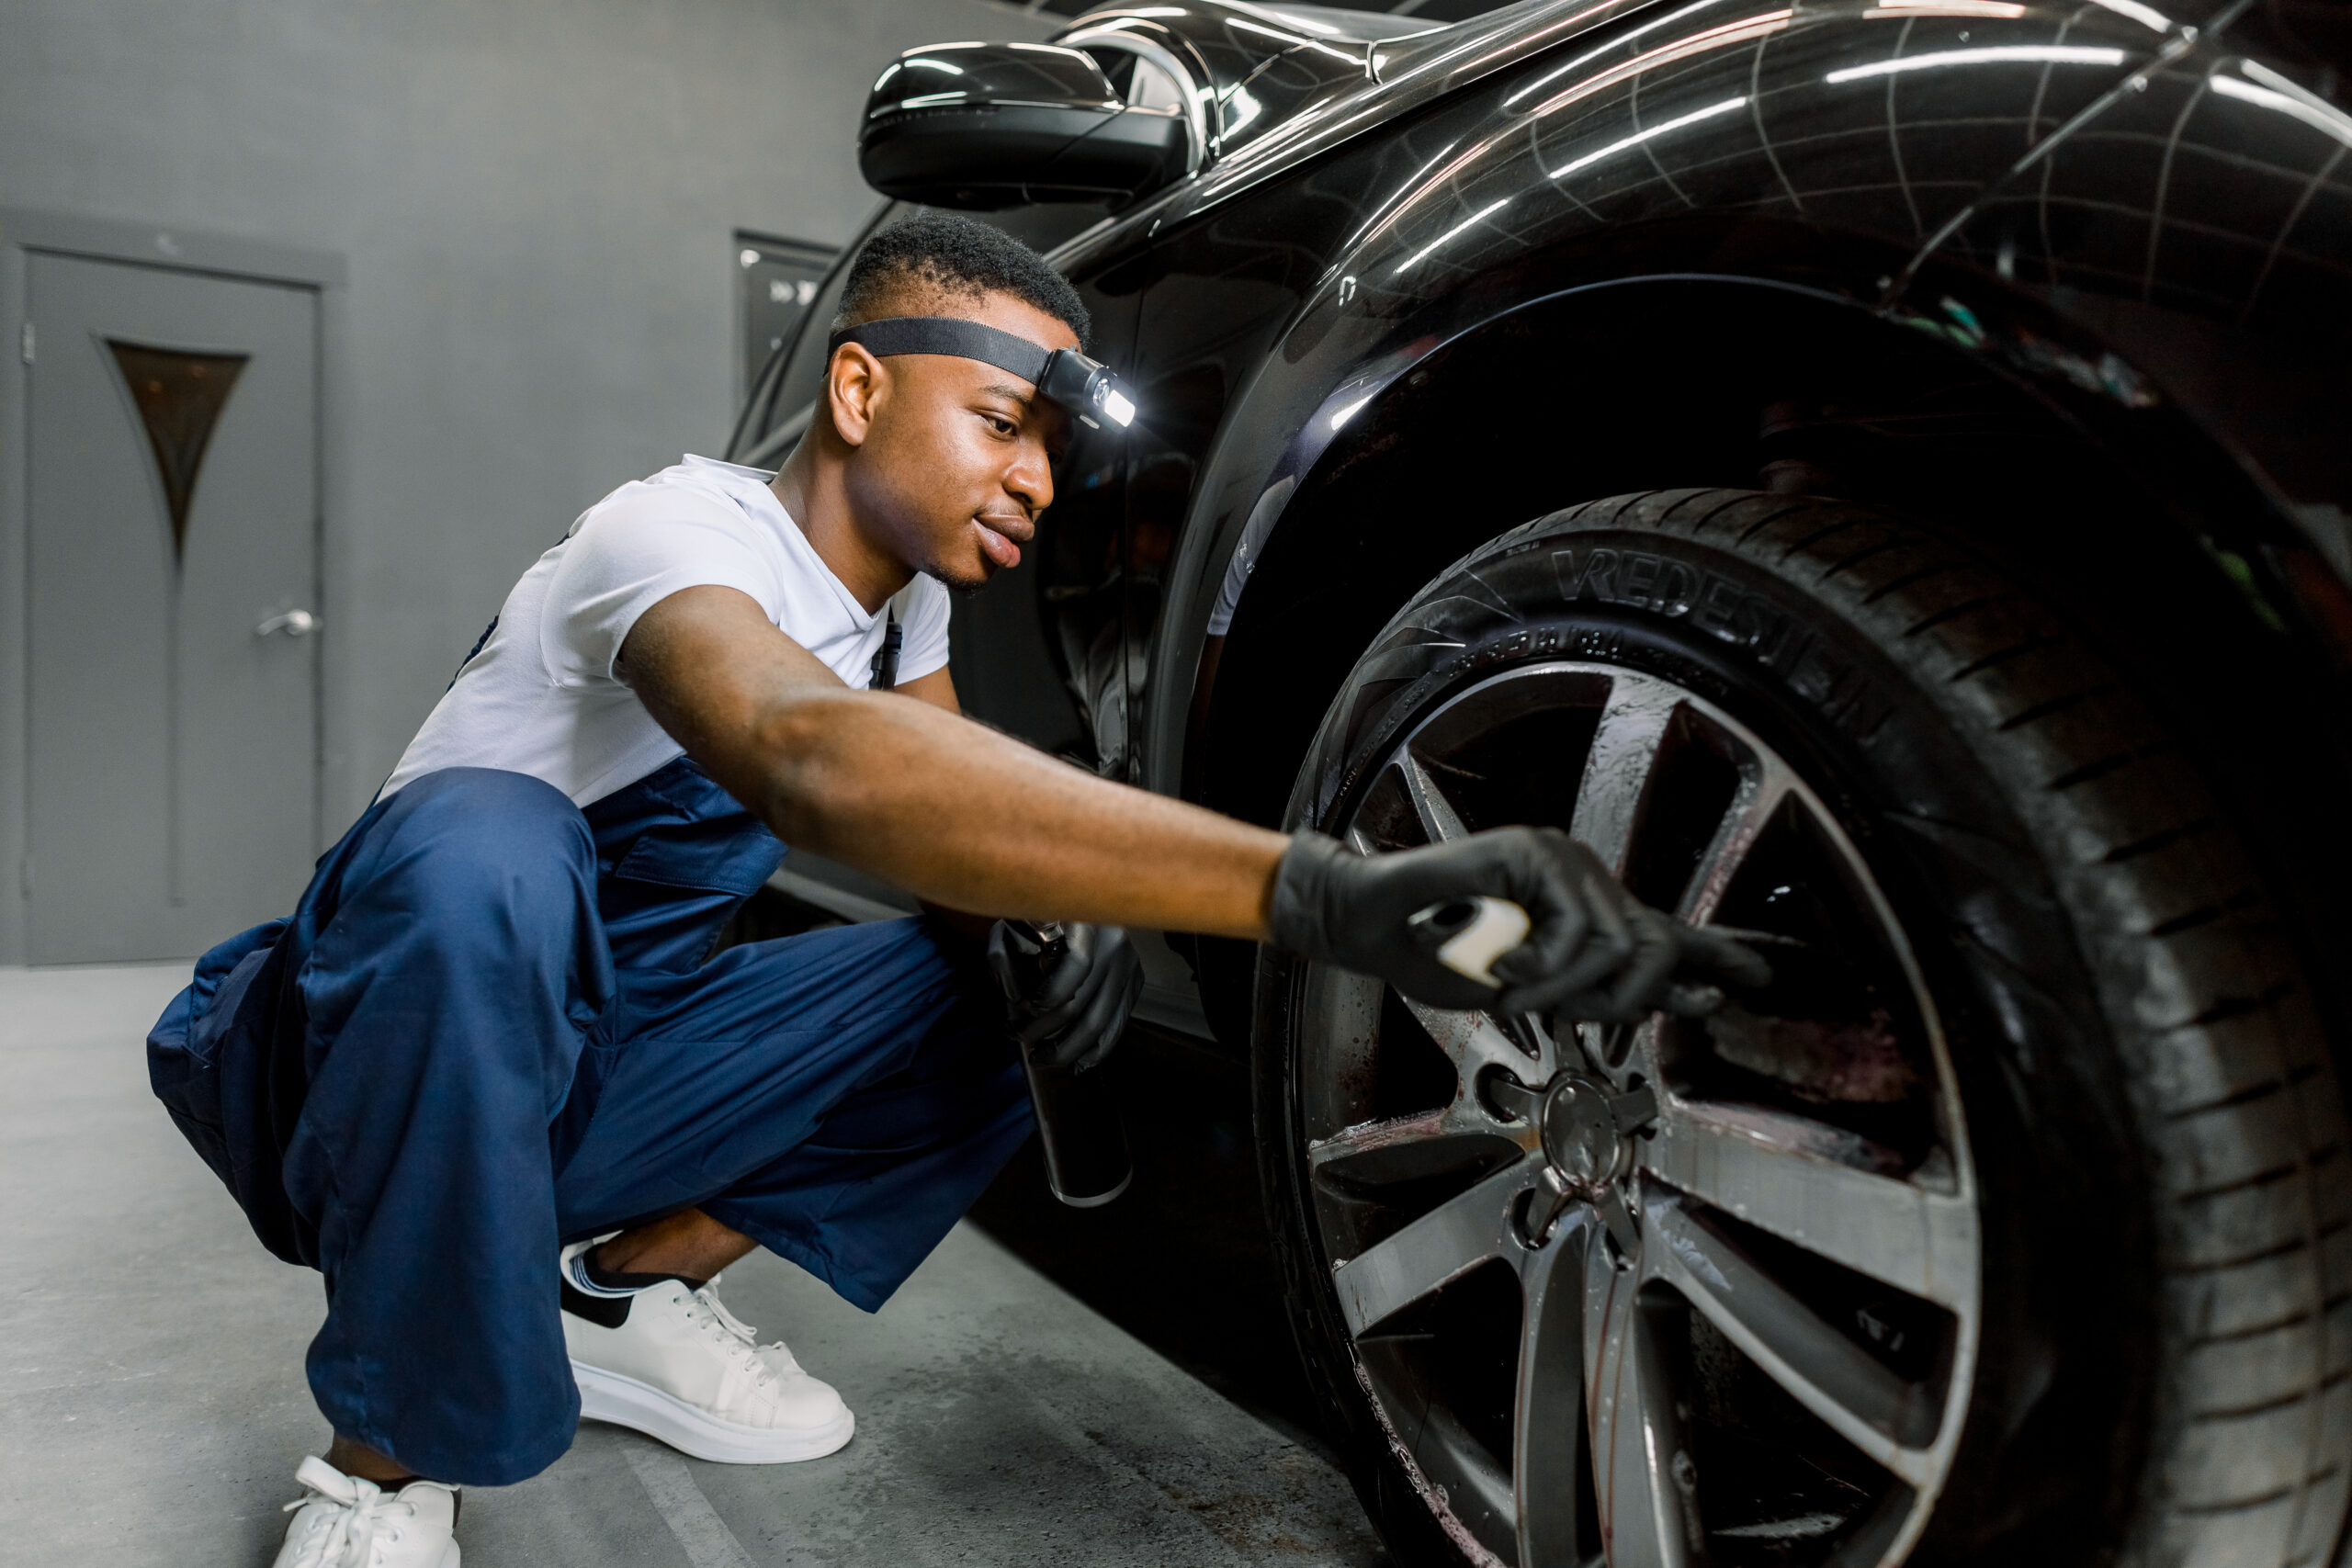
1580	1133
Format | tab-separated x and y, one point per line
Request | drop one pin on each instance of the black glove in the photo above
1592	951
1068	1007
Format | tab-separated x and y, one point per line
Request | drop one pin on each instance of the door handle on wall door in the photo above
293	623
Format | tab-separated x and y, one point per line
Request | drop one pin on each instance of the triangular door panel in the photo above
179	395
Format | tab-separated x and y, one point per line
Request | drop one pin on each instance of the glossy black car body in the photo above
1642	241
2072	277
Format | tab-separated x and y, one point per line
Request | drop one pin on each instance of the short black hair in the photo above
961	256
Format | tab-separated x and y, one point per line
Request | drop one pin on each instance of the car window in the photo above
1140	83
1150	86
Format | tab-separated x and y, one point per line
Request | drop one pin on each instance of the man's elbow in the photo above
813	780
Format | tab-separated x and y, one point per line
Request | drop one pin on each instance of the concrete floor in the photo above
153	1407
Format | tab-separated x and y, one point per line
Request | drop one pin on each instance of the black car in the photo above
1878	472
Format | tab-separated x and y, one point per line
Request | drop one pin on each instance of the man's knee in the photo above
484	839
459	938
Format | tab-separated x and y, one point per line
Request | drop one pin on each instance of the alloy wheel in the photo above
1694	1291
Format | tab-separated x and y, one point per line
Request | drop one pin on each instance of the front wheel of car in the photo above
2009	1225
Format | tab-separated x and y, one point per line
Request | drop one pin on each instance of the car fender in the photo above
1480	233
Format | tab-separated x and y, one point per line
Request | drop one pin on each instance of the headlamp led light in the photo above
1082	387
1086	390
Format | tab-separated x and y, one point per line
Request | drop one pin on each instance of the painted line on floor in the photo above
708	1543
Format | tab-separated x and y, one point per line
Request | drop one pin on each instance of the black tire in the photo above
2163	1339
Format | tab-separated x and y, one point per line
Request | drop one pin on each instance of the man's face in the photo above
954	458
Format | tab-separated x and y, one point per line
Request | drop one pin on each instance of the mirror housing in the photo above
982	126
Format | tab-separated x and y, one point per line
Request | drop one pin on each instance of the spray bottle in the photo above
1078	1117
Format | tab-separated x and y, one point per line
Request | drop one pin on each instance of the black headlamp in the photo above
1083	388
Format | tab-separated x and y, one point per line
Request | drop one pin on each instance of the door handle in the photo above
293	623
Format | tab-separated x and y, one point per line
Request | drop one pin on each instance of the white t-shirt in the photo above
540	697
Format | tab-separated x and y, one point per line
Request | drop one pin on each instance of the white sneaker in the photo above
349	1523
675	1365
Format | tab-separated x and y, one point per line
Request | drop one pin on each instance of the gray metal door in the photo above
173	519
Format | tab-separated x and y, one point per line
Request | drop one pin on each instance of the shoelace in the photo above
349	1536
747	1344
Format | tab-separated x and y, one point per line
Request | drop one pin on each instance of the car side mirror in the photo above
982	126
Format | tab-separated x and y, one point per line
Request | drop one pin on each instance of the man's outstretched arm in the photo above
961	816
946	809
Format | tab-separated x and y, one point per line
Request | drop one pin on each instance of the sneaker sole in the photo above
624	1401
449	1556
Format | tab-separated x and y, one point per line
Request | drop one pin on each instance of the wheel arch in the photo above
1735	381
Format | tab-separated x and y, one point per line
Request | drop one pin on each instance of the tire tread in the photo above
2239	1107
2234	1099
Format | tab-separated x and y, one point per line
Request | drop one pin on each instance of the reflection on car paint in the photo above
2045	189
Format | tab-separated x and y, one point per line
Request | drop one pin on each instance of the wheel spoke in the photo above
1625	750
1756	1166
1434	1250
1640	1465
1616	1217
1764	785
1438	818
1472	1041
1547	1424
1406	1148
1889	1419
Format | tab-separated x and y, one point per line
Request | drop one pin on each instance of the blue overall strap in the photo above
886	659
675	856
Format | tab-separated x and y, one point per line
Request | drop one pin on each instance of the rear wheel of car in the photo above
2009	1225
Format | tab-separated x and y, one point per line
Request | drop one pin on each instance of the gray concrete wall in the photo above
535	199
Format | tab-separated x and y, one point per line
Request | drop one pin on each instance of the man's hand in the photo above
1593	952
1074	1011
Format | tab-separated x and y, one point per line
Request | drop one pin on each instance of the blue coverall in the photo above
488	1029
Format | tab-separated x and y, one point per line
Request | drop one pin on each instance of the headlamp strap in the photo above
1063	376
947	335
